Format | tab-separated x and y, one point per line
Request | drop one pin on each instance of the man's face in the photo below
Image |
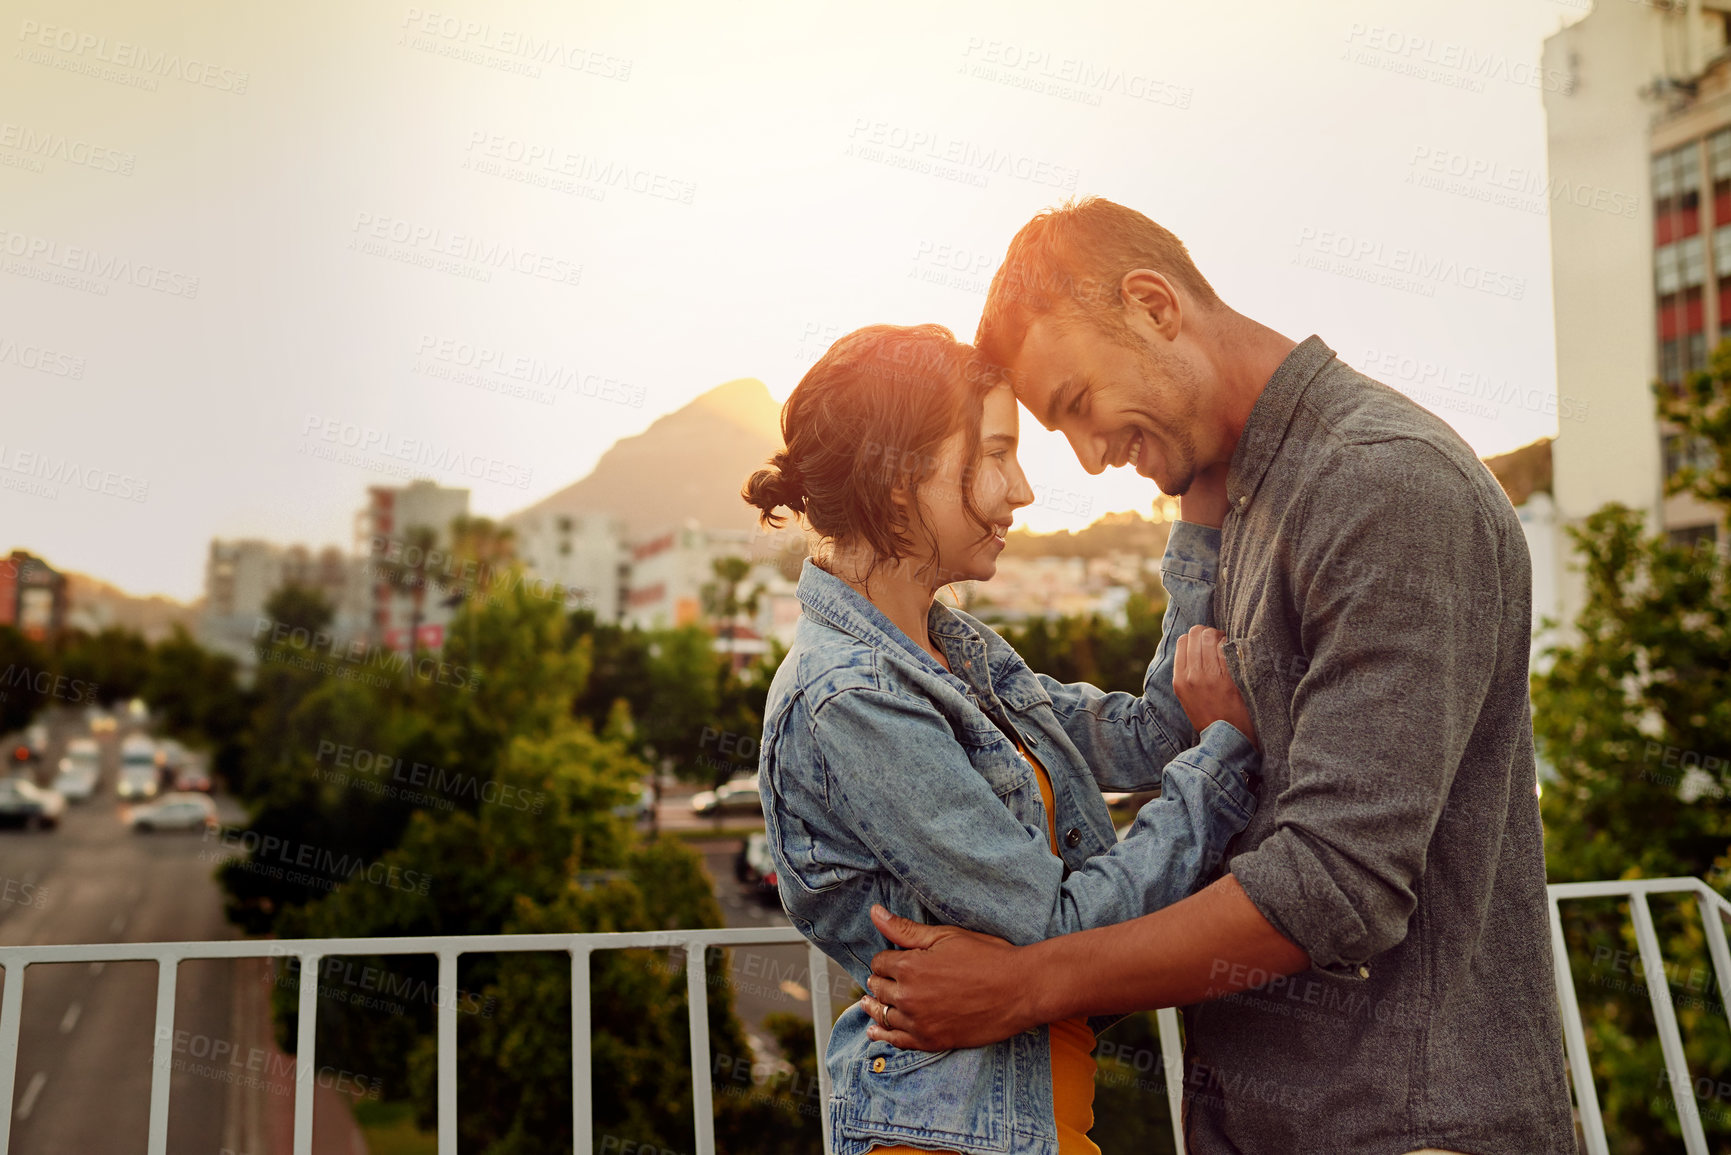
1128	400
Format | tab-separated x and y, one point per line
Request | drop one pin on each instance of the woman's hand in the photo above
1204	688
1204	503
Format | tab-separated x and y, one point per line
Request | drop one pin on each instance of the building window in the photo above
1683	450
1719	155
1682	265
1677	193
1695	536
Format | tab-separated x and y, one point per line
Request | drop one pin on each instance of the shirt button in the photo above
877	1064
1072	837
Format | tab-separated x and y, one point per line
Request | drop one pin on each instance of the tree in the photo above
21	661
116	662
723	602
1633	712
406	572
535	840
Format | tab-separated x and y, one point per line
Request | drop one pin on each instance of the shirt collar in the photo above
1270	416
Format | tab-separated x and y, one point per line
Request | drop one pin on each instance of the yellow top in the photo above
1072	1042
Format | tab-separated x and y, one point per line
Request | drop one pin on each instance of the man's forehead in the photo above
1036	369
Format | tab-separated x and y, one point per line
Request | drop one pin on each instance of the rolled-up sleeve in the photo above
1128	740
1397	585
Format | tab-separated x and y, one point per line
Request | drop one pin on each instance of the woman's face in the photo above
965	551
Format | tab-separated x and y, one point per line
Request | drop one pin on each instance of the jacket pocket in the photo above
953	1098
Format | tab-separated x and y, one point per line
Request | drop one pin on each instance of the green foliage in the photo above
20	661
1633	712
117	662
1092	649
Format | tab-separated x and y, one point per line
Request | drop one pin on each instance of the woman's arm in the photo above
894	773
1124	739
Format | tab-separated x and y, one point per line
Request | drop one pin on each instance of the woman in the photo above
911	758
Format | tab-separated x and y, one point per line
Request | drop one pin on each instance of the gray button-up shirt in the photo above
1375	591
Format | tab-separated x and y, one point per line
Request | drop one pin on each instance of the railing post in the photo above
447	1009
697	1000
1670	1040
1575	1040
1713	923
11	1008
306	1052
822	1019
1172	1062
582	1061
162	1054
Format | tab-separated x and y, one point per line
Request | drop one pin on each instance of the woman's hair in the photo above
872	414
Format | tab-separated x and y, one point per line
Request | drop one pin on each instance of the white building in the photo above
241	576
582	552
1640	206
385	539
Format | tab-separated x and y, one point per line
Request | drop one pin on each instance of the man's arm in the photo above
1127	741
1399	618
896	775
953	988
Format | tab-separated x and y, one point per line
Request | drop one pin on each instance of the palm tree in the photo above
722	599
407	573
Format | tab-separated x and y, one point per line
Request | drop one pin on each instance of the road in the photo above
763	979
84	1058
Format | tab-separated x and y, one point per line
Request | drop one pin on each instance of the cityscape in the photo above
387	645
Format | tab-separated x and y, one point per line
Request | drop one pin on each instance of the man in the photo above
1372	975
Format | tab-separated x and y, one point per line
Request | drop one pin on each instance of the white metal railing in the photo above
310	952
1713	909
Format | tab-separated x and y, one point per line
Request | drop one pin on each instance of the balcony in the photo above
168	955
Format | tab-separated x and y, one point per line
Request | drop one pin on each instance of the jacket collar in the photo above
835	602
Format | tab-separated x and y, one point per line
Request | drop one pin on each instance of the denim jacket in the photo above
888	779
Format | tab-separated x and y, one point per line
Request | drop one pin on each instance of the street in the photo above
84	1056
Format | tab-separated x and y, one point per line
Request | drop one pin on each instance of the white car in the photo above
737	797
176	812
23	803
76	781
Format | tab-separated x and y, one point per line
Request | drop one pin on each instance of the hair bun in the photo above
779	486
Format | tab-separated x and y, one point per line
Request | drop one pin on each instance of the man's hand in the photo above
949	988
1204	503
1204	688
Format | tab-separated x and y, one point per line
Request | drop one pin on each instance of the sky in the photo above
254	259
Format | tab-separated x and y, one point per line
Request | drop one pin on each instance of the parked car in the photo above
76	781
23	803
756	869
192	777
176	812
737	797
100	720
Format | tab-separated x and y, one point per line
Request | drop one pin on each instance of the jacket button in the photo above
877	1064
1033	739
1072	837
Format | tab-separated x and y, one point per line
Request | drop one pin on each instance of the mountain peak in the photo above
689	463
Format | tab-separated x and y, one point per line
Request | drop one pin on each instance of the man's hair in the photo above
1067	263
